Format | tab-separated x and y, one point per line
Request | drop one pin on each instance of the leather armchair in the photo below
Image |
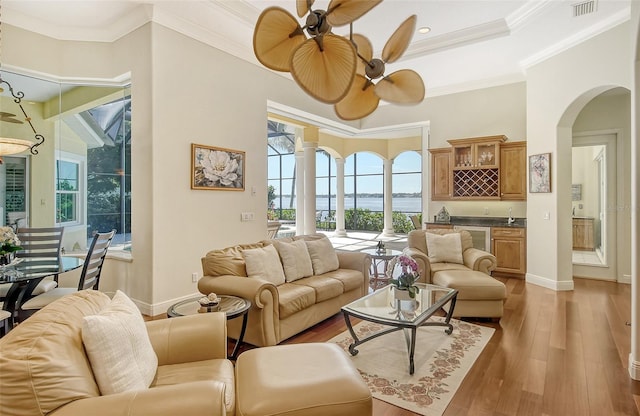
473	258
44	368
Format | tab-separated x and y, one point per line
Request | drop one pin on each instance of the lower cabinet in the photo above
583	234
509	245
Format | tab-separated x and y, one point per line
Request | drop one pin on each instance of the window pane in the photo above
368	163
67	176
288	166
66	207
273	167
407	162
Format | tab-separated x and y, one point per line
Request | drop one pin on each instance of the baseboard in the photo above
634	368
160	308
548	283
626	278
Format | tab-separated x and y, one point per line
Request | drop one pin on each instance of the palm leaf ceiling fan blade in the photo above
9	118
401	87
399	41
303	7
324	67
360	101
364	50
342	12
276	36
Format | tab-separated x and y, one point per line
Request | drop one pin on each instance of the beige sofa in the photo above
281	309
479	294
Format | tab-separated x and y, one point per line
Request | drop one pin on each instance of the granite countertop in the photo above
486	222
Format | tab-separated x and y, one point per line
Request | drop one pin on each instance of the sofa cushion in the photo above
293	298
264	263
471	285
325	287
436	267
295	259
47	351
119	348
227	261
349	279
444	248
323	255
217	369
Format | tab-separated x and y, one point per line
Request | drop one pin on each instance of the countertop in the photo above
485	222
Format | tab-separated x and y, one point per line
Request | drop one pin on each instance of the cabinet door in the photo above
440	174
513	171
510	255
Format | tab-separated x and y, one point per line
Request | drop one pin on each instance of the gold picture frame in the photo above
217	168
540	173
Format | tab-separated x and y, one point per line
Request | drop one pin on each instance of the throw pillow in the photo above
444	248
264	263
323	256
118	347
295	259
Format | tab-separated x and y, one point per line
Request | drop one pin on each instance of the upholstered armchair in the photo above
47	367
471	259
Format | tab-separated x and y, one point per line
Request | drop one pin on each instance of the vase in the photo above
401	294
7	258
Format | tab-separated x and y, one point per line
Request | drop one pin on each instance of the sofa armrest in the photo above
200	398
248	288
424	265
264	316
480	260
189	338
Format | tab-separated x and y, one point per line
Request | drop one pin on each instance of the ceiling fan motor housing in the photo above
375	68
317	23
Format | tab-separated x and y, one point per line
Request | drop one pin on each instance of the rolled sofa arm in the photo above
199	397
480	260
424	265
262	328
189	338
359	261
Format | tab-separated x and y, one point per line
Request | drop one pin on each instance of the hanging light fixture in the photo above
8	145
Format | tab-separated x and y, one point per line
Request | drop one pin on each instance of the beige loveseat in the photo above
282	308
45	368
464	268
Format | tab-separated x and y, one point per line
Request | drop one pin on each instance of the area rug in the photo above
441	363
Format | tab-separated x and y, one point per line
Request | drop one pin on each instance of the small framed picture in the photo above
540	173
216	168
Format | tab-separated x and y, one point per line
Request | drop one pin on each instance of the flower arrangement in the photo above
9	242
408	274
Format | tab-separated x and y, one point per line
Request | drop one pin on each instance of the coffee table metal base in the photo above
408	329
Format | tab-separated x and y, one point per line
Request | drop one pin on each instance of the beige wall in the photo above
557	90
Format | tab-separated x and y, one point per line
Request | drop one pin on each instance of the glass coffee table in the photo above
383	308
232	306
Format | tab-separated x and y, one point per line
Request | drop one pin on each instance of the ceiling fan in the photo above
324	64
400	87
331	68
10	118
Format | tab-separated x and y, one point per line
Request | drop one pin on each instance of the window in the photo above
67	192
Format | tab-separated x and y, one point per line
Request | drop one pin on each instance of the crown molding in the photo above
574	40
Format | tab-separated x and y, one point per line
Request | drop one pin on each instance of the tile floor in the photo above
586	257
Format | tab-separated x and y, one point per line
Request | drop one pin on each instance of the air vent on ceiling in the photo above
584	7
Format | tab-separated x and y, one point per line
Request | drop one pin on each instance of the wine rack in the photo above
478	183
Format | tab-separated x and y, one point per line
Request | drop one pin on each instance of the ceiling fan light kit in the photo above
334	69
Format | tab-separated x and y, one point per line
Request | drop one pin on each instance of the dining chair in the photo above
41	243
5	322
89	277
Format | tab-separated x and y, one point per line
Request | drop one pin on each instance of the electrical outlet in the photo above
486	211
194	277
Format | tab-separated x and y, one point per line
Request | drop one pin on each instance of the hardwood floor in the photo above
553	353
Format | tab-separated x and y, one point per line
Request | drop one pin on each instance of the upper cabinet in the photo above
479	168
513	171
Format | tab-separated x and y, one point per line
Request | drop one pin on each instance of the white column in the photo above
388	199
300	193
634	354
340	231
426	175
310	187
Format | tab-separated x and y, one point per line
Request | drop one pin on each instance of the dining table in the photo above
24	274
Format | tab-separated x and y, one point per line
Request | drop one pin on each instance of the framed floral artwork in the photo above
540	173
216	168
